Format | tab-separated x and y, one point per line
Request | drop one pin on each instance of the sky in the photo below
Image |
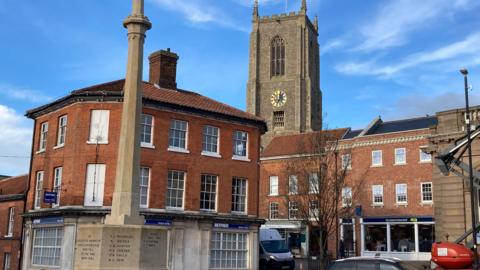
394	59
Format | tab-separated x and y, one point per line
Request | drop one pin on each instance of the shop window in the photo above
402	237
377	158
375	237
426	237
47	246
400	156
228	250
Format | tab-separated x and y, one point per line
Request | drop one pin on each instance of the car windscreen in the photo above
275	246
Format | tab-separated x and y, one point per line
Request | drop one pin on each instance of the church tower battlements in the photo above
284	73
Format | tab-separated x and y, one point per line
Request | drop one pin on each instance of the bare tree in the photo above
321	190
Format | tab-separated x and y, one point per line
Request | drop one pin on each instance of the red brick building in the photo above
12	200
392	172
199	171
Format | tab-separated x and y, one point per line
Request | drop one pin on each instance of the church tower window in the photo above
278	119
278	57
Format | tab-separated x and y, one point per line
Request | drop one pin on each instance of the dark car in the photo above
370	263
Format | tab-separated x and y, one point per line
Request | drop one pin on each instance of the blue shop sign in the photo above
49	197
158	222
399	219
48	220
230	226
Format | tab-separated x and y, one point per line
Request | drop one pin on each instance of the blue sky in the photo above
396	58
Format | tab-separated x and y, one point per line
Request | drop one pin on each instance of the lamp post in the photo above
473	196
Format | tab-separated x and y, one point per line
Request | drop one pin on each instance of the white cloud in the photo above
397	19
202	12
332	45
16	134
467	47
23	94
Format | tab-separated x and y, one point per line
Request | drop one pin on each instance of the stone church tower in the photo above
284	73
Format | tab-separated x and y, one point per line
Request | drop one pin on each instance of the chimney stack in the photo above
163	69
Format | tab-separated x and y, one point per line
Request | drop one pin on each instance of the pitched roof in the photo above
152	92
13	185
302	143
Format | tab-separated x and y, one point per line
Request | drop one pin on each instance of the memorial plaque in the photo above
103	247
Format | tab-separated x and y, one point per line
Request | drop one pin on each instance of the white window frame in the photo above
347	195
292	207
397	161
173	126
61	131
377	190
422	192
236	195
313	209
42	143
273	208
11	221
235	140
273	184
292	185
142	186
53	249
98	188
230	249
380	152
215	201
398	194
204	142
313	183
57	184
143	126
171	189
346	161
102	132
38	190
421	153
7	260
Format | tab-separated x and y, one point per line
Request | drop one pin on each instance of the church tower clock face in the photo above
278	98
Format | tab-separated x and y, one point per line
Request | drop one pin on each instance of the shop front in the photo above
406	238
295	235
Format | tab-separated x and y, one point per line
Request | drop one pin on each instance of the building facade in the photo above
452	206
12	200
199	172
284	73
390	170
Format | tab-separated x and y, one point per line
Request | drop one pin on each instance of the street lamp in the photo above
473	196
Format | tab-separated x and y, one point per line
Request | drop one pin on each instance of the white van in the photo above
274	253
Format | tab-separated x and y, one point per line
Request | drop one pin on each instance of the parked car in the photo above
274	253
370	263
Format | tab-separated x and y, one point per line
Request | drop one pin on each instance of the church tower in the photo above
284	73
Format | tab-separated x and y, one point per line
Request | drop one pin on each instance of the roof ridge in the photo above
98	85
13	177
409	119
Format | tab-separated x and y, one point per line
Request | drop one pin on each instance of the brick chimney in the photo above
163	69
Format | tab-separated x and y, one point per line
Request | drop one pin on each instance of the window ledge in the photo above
208	211
147	145
40	151
239	213
404	204
426	203
273	195
376	166
92	142
425	161
59	146
174	209
211	154
400	164
9	236
240	158
178	150
377	205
